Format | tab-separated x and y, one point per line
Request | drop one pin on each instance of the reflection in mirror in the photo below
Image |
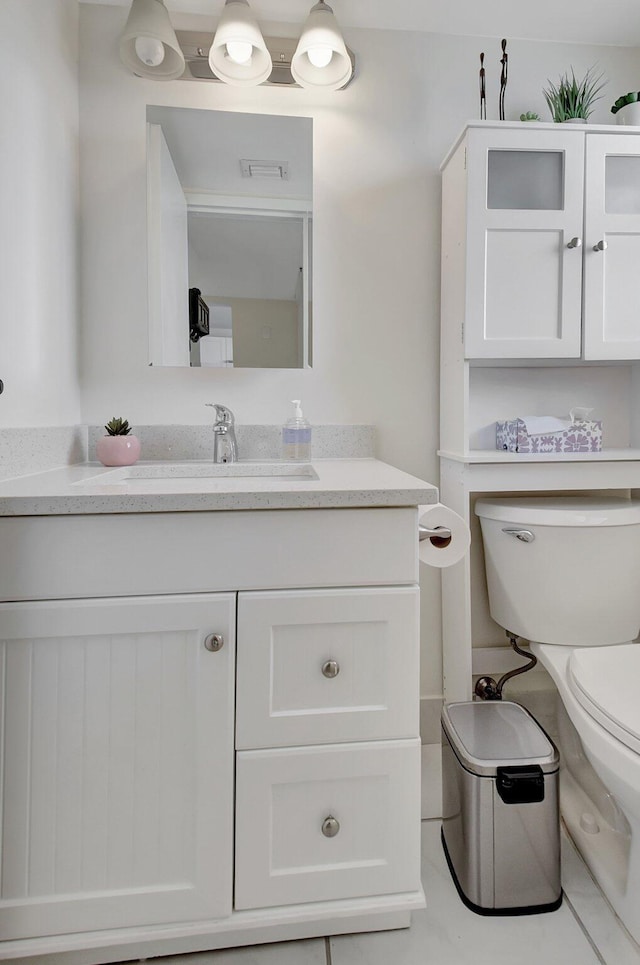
229	236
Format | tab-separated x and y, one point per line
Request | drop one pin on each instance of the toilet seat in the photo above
606	683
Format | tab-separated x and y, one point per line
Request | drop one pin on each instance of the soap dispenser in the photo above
296	436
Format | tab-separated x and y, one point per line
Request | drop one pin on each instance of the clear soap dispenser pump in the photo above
296	436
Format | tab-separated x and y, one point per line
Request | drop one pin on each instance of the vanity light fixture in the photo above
321	59
238	54
148	45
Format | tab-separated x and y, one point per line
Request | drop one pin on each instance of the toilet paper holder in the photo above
439	535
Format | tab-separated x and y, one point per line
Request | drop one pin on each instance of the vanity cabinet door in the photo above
524	268
117	763
612	247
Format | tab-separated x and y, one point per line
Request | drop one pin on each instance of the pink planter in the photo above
118	450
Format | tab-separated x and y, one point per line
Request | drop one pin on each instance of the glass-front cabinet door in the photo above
524	244
612	247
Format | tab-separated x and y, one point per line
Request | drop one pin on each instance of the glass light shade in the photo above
149	19
321	31
238	26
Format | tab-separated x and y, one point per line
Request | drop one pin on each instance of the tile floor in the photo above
584	931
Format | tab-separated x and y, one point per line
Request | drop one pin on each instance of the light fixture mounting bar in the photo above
195	46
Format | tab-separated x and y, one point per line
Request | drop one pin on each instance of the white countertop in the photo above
321	484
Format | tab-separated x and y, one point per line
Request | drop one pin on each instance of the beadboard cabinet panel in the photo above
117	804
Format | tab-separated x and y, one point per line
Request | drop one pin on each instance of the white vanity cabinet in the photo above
541	233
117	762
160	796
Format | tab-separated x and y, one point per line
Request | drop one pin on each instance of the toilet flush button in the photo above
588	823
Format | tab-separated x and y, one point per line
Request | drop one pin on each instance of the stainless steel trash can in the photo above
500	828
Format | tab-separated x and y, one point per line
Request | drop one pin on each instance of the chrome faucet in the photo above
225	446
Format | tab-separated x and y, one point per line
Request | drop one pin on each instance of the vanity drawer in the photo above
325	823
321	666
135	554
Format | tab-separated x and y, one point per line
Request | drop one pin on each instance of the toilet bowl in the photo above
564	573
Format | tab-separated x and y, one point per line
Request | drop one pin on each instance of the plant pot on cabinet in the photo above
629	115
118	450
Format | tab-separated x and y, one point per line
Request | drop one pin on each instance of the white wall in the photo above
377	147
39	212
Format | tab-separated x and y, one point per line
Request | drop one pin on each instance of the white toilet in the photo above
564	573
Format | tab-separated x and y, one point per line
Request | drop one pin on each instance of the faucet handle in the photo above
224	416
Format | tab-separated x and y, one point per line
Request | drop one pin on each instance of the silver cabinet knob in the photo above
331	668
600	246
330	826
214	642
575	243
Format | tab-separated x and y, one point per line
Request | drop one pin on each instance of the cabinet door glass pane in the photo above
622	184
526	180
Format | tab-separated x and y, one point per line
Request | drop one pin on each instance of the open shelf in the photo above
492	456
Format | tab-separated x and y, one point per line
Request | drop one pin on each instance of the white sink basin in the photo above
151	475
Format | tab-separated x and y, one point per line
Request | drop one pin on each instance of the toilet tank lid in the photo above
486	735
561	510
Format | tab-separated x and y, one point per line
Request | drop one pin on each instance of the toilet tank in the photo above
563	570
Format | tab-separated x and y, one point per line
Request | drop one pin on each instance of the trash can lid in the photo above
489	734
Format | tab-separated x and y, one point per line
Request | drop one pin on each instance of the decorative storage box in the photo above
581	436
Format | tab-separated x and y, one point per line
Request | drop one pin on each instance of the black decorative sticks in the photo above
483	92
503	79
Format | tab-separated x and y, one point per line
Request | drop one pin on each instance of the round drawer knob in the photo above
331	668
214	642
330	826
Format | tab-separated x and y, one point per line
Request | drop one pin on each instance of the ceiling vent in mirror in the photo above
278	170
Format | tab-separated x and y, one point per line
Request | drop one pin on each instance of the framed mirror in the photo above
229	211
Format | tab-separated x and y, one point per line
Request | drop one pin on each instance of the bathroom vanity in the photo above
210	709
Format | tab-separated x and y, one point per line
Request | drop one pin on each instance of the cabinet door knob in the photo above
331	668
575	243
214	642
600	246
330	826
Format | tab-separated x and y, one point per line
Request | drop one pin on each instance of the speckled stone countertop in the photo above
155	487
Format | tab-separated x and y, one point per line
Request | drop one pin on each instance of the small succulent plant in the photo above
632	98
572	98
530	116
118	427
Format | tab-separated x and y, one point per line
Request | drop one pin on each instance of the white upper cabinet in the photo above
525	199
612	248
548	219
